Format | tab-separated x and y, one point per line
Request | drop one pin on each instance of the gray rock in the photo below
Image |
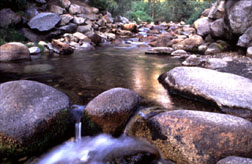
32	115
214	63
79	20
160	50
111	109
84	29
14	51
203	26
65	3
179	53
212	49
195	137
70	28
238	15
65	19
44	21
217	11
231	93
249	52
193	60
217	28
92	17
56	9
75	9
245	40
31	12
235	160
85	46
8	17
34	50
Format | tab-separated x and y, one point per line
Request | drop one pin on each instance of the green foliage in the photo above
13	4
104	4
10	35
139	11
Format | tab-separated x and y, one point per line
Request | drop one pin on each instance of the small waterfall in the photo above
77	112
77	131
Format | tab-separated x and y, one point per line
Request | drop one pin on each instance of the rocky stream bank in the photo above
35	116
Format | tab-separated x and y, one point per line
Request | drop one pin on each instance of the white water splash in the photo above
96	150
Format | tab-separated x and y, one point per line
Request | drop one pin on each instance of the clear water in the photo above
84	75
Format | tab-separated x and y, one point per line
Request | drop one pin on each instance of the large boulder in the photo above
189	44
203	26
8	17
235	160
33	116
238	15
44	21
218	28
14	51
245	40
231	93
111	109
195	137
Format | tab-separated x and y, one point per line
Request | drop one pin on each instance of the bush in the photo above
10	35
13	4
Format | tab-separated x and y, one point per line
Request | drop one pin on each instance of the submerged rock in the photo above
195	137
111	109
160	50
14	51
231	93
33	116
235	160
44	21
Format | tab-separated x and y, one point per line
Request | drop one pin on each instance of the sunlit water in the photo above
84	75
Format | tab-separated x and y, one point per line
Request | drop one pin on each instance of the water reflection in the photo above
84	75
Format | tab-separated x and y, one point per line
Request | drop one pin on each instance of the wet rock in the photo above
249	52
162	40
63	48
75	9
95	38
70	28
202	48
79	20
84	29
195	137
34	50
14	51
217	28
217	11
65	3
111	109
238	16
65	19
235	160
179	53
33	115
231	93
245	40
160	50
8	17
85	46
44	21
56	9
203	26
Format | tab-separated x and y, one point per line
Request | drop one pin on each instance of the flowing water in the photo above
84	75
